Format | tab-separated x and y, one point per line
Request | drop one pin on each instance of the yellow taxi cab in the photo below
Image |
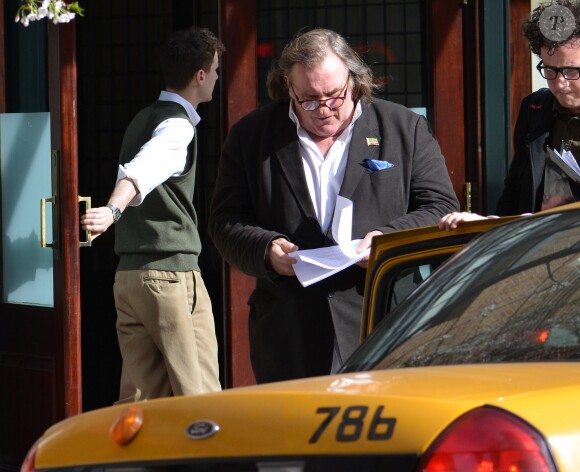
470	362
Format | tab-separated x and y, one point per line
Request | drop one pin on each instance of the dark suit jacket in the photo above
524	190
261	194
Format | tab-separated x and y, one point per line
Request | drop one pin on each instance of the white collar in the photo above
166	96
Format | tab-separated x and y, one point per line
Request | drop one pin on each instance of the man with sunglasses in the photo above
548	120
281	170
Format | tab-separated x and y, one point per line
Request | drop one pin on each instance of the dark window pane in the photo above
388	34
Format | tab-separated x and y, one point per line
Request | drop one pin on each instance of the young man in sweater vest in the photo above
165	323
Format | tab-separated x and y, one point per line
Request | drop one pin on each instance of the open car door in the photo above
400	261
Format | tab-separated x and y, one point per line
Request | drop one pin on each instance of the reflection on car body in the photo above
477	370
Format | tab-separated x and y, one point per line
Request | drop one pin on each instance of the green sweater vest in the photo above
161	233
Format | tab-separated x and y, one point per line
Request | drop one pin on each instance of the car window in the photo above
407	279
401	261
511	295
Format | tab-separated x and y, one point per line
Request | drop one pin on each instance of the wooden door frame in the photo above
520	59
240	76
69	291
239	34
447	52
41	357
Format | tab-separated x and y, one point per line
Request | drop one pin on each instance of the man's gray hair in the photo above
310	49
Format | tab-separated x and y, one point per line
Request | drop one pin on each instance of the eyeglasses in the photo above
332	103
551	73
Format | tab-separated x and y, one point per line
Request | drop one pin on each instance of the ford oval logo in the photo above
202	429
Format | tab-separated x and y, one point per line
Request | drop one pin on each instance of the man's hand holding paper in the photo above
278	258
313	265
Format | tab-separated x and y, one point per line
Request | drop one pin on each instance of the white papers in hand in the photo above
342	221
314	265
569	159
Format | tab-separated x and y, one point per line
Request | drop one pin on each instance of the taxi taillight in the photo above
488	439
127	425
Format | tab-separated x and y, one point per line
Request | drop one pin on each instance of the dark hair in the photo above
311	48
537	40
185	52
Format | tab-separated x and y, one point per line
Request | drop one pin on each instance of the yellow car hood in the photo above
288	418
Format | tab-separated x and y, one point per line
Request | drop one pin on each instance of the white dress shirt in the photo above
324	176
169	140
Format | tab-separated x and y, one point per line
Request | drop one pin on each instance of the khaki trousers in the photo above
166	333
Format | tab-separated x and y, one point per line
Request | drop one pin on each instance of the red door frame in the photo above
239	34
41	359
69	292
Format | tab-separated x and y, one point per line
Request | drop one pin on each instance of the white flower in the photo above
57	11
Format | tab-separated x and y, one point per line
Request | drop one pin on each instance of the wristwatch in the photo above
116	212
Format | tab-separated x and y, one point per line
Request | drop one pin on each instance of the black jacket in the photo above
524	185
261	194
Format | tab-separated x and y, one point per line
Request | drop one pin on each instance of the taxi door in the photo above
401	261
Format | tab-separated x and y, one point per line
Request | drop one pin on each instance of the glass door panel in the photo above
25	157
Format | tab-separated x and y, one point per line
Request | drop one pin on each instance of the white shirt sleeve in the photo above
162	157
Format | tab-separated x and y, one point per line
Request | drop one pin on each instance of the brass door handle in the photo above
88	236
43	202
468	194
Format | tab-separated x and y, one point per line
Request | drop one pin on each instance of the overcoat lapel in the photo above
541	121
287	153
365	127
